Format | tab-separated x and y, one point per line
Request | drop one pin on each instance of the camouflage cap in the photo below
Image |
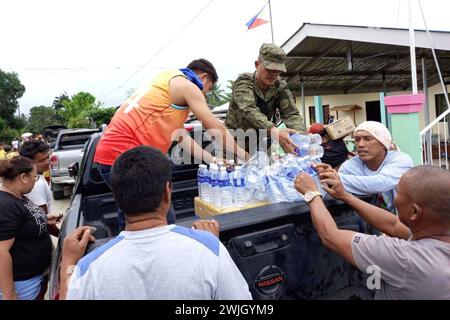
272	57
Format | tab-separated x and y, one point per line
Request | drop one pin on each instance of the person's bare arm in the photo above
333	238
52	228
187	143
183	92
6	271
381	219
74	248
283	137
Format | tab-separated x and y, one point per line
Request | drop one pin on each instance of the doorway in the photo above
373	112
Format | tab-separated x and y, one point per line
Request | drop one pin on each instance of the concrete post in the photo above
318	106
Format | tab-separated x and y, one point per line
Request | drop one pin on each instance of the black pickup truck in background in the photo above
275	247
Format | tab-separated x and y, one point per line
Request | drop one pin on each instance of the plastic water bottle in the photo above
274	189
290	167
215	186
251	187
315	152
312	172
288	190
204	186
230	166
316	139
239	195
226	191
302	142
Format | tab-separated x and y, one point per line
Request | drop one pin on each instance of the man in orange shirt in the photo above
152	115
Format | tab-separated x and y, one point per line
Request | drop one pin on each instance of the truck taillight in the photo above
54	161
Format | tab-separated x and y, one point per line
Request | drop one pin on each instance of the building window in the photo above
326	114
441	105
312	115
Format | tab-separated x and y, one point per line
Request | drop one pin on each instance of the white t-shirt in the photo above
41	194
15	144
170	263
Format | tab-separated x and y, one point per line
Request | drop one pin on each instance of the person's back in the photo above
416	269
151	259
168	262
146	118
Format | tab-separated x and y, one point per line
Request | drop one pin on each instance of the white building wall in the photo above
361	99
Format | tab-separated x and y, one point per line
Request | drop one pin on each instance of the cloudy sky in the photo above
107	47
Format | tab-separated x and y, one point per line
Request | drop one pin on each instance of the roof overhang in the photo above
333	59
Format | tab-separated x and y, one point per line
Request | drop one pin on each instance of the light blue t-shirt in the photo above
357	178
170	263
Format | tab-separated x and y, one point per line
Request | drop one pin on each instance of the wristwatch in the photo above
309	196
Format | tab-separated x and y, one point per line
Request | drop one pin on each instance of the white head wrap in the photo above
378	130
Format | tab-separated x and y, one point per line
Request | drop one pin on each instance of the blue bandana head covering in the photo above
192	76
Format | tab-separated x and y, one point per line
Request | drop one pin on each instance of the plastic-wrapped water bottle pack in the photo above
259	179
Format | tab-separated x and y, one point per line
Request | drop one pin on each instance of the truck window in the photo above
74	141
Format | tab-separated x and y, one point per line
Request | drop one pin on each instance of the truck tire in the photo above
58	195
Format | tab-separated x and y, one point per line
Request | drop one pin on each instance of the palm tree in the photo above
217	96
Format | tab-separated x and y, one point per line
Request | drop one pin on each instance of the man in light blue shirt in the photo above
376	169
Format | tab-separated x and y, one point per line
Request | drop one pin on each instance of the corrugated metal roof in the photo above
322	63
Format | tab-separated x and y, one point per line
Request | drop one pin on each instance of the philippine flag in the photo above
256	21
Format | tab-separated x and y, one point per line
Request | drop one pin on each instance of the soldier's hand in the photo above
282	135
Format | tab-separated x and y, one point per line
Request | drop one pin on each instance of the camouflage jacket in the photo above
250	108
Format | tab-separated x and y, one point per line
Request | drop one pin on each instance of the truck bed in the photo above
275	247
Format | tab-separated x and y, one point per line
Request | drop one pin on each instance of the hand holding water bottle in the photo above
333	185
284	138
323	167
305	183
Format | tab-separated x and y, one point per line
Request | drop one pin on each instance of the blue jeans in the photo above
105	172
27	289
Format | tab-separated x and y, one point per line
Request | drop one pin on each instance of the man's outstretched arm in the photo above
333	238
381	219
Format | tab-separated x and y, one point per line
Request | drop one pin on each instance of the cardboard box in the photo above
207	210
340	128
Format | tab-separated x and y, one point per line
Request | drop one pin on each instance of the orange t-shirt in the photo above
147	118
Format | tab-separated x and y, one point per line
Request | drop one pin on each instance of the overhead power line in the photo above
105	95
83	69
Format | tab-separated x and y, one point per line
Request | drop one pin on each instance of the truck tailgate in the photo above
64	159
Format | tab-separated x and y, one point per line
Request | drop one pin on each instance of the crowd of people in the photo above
153	258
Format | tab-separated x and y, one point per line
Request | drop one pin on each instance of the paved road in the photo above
60	206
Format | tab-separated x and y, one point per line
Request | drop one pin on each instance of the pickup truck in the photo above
50	133
275	247
67	150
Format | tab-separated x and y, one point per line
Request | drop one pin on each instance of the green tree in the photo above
217	96
6	133
101	115
75	110
41	117
230	89
57	105
82	111
10	91
58	101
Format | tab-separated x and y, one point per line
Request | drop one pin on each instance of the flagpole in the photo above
412	49
271	25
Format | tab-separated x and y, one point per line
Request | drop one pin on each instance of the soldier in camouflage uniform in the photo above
256	96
